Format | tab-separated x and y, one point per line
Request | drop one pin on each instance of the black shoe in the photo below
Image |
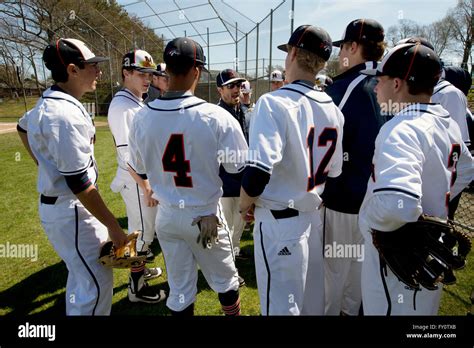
146	295
150	257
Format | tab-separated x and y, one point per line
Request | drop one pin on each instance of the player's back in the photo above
299	121
433	145
455	102
182	141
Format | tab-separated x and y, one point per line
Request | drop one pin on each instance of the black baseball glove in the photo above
424	252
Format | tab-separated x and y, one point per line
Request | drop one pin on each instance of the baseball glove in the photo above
424	252
124	257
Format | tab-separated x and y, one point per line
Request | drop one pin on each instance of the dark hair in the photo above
128	69
181	67
59	71
372	50
421	88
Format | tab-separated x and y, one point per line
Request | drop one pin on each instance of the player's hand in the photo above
247	213
118	237
150	201
208	226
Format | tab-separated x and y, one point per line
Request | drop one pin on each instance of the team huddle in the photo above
315	163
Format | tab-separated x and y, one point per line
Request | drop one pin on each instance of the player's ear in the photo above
72	69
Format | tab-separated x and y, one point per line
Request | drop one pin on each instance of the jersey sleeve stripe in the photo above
122	145
74	172
258	165
397	190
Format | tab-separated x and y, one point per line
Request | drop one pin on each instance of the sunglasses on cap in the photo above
233	85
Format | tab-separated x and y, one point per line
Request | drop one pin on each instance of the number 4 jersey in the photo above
296	137
179	144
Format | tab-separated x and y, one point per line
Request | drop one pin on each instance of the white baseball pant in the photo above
183	255
77	236
236	225
384	294
140	216
342	273
281	261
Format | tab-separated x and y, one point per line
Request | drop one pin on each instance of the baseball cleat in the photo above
152	273
146	295
150	257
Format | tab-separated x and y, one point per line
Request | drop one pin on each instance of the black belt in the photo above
285	213
48	200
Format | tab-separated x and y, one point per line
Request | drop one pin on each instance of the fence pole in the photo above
292	15
271	43
208	68
236	60
110	71
256	66
246	49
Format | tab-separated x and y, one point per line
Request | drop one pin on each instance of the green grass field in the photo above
28	287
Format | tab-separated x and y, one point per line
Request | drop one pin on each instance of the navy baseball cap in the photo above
69	51
416	39
228	76
411	62
139	60
312	39
360	30
184	49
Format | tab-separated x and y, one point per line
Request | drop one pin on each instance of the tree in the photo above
27	26
403	29
460	20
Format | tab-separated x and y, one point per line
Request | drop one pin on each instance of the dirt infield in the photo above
8	127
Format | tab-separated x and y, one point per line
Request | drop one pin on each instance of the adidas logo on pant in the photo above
284	251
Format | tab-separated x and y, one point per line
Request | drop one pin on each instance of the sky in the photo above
332	15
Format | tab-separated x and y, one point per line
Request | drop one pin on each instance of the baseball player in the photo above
229	86
296	132
246	103
450	97
60	135
246	95
322	81
361	46
277	80
177	141
137	68
455	102
420	161
159	83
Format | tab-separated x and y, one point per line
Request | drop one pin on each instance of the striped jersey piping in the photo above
177	109
397	190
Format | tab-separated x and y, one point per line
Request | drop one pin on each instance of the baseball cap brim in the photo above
146	70
96	60
338	43
235	79
283	47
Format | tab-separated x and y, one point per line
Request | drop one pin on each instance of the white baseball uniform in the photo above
455	102
420	161
122	110
296	132
61	136
178	142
